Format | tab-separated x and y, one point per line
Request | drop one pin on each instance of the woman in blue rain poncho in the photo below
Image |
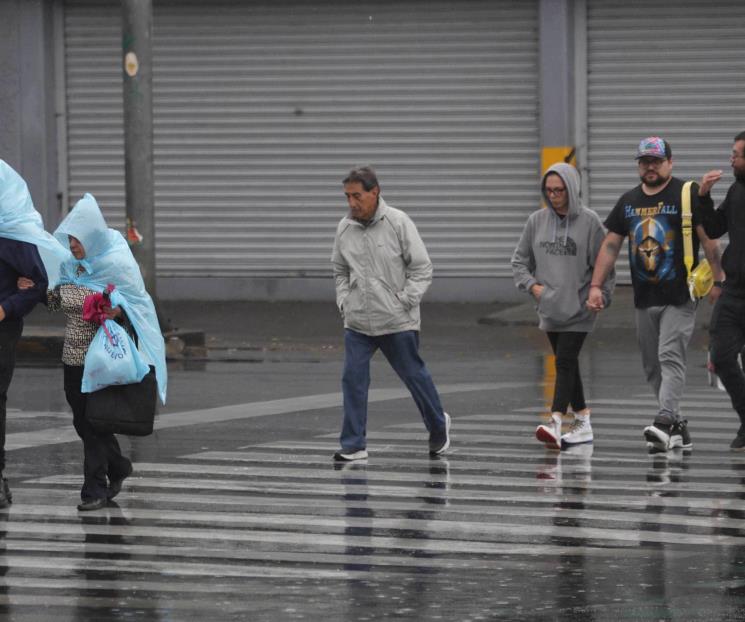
20	221
101	256
23	242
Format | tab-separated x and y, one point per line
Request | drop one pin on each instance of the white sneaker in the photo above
341	456
657	437
550	433
579	432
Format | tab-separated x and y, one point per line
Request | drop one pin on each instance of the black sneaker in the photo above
437	447
679	435
739	443
658	436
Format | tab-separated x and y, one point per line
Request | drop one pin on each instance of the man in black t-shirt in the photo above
650	216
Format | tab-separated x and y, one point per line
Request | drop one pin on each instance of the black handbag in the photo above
124	408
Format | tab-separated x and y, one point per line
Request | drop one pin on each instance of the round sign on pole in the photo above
131	64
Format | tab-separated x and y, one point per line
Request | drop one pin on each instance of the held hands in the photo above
595	300
112	313
708	181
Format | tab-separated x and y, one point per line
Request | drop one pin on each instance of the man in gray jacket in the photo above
382	270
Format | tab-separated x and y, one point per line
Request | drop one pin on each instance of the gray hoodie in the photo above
559	253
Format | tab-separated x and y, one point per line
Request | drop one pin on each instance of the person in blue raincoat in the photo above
101	256
22	239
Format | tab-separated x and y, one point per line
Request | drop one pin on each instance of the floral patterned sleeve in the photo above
54	300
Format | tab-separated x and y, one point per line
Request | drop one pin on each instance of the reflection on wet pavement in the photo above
499	528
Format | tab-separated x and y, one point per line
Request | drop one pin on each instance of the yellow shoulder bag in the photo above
701	279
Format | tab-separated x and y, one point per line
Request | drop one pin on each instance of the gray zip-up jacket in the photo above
559	253
382	270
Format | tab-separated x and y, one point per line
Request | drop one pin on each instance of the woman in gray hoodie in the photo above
553	262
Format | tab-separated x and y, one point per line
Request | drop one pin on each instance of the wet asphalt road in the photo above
235	511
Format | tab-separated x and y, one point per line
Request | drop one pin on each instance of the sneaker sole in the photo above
339	457
543	435
574	443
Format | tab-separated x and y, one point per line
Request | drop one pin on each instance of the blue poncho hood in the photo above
108	259
20	221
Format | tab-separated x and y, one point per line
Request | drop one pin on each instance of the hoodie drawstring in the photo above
556	219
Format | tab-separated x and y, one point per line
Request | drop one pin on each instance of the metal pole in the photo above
137	18
137	56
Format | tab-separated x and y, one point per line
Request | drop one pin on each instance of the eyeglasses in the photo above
555	191
651	162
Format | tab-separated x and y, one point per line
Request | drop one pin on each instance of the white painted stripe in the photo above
240	554
456	483
527	439
438	523
598	464
705	506
480	538
475	422
529	452
611	429
175	568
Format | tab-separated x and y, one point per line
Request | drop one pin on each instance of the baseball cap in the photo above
653	147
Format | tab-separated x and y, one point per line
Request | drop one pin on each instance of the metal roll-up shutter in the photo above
671	68
262	107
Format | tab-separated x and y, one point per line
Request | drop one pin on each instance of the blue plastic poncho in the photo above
108	259
20	221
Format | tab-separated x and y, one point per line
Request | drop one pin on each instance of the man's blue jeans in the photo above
402	352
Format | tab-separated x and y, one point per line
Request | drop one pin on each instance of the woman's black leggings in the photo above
568	388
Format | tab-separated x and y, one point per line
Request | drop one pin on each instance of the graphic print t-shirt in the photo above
653	224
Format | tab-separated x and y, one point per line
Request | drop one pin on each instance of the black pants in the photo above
10	333
102	456
568	387
727	333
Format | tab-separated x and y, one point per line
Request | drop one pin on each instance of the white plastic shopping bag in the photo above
112	358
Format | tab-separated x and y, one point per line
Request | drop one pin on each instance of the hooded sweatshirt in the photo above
559	253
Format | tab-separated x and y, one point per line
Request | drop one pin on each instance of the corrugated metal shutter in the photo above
262	107
673	68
